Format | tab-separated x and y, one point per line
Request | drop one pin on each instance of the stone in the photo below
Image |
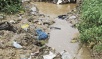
1	17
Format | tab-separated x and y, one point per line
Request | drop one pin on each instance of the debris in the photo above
74	41
25	0
41	34
66	55
55	28
25	26
62	16
72	17
34	10
7	26
35	53
59	1
20	17
50	56
12	21
16	45
38	43
1	17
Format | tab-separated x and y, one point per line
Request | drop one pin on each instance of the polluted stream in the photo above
21	34
62	32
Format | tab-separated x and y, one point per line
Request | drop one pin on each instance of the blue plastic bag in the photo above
41	34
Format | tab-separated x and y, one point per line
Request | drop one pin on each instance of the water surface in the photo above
54	10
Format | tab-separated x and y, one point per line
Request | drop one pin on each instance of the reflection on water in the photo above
54	10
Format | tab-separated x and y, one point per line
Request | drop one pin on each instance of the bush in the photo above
90	26
10	6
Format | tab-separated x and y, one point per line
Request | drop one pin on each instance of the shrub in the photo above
90	26
10	6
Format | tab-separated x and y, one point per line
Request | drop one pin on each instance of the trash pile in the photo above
23	36
71	17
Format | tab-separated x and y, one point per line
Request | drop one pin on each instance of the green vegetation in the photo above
90	26
10	6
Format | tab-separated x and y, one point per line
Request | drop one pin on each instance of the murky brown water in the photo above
54	10
61	39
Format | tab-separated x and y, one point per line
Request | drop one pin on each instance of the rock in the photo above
12	21
1	17
20	18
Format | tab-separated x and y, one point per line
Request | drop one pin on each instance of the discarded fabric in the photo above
7	26
41	34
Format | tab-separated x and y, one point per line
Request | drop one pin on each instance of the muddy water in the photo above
54	10
61	39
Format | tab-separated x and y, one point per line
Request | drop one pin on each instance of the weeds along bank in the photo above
90	26
10	6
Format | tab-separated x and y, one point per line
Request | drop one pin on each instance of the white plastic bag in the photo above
50	56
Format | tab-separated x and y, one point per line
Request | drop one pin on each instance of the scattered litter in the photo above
1	17
66	55
41	34
74	41
34	10
50	56
25	26
59	1
55	28
12	21
62	16
20	17
36	53
72	17
16	45
7	26
25	0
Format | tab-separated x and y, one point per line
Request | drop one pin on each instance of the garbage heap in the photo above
23	36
